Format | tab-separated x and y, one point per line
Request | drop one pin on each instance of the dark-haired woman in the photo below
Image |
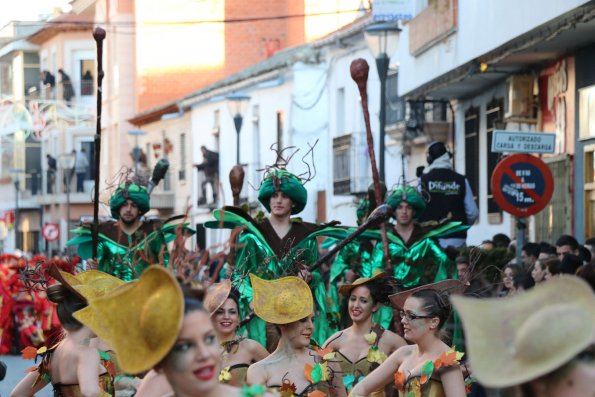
74	367
428	366
364	346
237	353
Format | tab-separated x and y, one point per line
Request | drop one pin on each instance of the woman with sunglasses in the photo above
363	346
237	353
426	367
294	368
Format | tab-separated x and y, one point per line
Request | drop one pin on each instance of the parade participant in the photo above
416	256
557	314
276	246
237	353
160	329
74	367
364	345
294	368
450	194
129	244
428	366
10	284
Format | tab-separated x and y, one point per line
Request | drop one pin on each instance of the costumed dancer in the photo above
74	367
275	246
10	284
364	345
129	244
294	368
237	353
428	366
542	341
159	328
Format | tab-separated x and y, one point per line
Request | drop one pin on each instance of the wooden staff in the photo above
359	73
99	36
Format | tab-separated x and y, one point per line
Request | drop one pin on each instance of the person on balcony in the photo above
81	166
67	89
210	167
51	173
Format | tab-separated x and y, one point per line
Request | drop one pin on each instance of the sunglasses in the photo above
410	316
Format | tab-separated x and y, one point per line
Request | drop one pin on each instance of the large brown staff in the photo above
359	73
99	36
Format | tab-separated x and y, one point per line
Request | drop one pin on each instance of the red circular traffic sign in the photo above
50	232
522	185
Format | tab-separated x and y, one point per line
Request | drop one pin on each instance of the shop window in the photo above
494	114
472	150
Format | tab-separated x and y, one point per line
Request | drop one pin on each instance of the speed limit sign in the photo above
50	232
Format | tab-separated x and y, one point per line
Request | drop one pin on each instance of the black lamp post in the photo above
67	164
382	40
237	103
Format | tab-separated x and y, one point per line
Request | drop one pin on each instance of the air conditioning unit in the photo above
519	99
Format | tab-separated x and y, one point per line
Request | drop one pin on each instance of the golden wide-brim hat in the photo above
281	301
346	289
87	285
217	294
449	286
514	340
139	320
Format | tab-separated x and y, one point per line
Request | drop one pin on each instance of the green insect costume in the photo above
260	251
418	261
122	255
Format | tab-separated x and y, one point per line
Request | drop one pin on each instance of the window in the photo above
86	76
341	110
182	170
494	114
395	105
342	164
472	150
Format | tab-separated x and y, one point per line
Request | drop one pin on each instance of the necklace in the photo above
231	346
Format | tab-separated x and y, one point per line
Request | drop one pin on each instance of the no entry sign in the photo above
522	185
50	232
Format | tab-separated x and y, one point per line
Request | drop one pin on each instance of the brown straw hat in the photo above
87	285
514	340
282	301
217	294
346	289
450	286
140	320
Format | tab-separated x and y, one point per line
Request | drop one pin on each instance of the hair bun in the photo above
57	293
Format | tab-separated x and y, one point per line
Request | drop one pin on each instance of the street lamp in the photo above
237	104
136	150
66	162
17	172
382	40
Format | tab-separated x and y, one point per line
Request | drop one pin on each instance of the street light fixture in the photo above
238	104
17	172
66	162
382	40
136	150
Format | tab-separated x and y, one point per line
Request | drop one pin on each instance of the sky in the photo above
28	10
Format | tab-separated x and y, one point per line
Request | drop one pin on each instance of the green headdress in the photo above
409	195
363	208
286	182
137	193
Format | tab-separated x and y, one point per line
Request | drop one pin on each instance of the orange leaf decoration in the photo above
32	369
423	379
324	352
448	358
111	368
399	380
29	353
288	389
316	393
308	372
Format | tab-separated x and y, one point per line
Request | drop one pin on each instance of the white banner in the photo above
393	10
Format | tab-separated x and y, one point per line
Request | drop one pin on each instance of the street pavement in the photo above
15	372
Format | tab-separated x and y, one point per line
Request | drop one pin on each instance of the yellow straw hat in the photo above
346	289
514	340
449	285
87	285
139	320
217	294
282	301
